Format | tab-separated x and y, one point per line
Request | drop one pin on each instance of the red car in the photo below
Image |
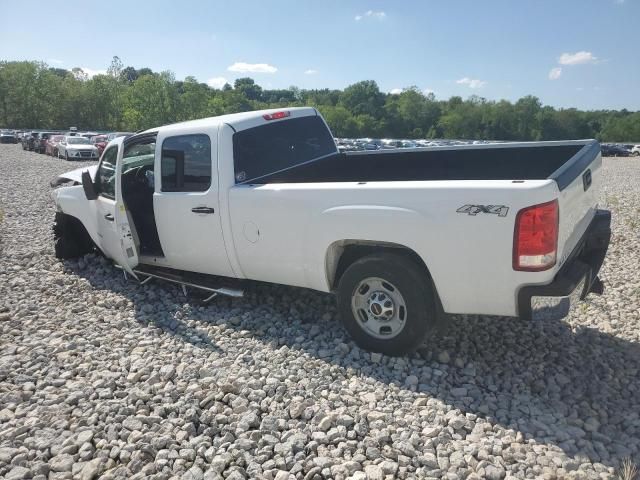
100	141
51	145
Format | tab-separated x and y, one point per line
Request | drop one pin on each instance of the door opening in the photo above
137	193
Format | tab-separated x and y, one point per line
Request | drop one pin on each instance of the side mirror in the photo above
88	186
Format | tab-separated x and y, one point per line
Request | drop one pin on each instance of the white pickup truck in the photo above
401	236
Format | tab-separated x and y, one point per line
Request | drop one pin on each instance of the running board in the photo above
146	276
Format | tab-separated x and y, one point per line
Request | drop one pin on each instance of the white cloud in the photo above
311	71
243	67
428	91
371	14
471	82
395	91
555	73
55	61
577	58
217	82
89	72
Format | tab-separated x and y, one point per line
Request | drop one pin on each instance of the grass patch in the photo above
628	470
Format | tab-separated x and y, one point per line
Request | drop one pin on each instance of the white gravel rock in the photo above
103	378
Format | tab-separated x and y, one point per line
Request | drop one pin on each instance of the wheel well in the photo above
343	253
64	221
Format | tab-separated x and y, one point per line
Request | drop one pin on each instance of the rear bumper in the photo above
579	275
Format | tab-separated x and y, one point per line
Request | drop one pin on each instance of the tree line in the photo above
35	95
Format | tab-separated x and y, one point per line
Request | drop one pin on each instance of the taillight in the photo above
535	240
276	115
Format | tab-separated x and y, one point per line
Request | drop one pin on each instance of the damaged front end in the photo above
74	177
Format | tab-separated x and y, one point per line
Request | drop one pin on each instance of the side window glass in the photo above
106	174
186	163
139	155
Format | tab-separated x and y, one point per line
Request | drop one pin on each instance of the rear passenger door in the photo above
186	203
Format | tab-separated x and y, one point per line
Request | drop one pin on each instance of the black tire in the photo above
70	238
415	287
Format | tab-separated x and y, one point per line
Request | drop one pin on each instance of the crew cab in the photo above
401	236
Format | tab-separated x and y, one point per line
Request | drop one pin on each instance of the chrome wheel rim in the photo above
379	308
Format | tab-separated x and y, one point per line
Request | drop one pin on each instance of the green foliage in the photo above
33	95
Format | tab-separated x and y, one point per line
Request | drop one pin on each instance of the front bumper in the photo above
79	156
578	276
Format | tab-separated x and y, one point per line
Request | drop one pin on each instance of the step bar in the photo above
147	276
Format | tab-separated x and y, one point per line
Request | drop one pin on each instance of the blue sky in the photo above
570	53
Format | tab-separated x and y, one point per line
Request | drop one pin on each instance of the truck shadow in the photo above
577	390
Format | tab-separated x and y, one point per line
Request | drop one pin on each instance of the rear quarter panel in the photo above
282	233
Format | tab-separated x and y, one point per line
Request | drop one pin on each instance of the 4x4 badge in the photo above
500	210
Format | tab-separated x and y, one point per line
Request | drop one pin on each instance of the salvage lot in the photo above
99	375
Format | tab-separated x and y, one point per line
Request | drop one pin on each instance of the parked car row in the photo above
361	144
70	145
619	150
58	145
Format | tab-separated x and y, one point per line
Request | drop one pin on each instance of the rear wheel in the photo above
387	304
71	239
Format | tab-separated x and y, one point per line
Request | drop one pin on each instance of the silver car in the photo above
77	148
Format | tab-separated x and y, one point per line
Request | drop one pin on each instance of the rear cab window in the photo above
278	146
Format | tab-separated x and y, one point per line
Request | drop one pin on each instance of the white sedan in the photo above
77	148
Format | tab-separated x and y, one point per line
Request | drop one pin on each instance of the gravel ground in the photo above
101	377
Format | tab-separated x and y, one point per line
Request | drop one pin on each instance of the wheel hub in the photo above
381	306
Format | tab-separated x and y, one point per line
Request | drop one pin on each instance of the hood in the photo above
74	176
81	146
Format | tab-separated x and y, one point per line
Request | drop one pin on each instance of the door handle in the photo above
109	217
203	210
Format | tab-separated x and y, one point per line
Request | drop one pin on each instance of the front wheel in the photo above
387	303
70	238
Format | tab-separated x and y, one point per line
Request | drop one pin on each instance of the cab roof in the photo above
239	121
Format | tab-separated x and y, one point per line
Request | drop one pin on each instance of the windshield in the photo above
77	140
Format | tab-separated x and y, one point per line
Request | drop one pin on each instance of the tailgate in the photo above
578	181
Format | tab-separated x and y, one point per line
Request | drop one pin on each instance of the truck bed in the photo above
518	161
